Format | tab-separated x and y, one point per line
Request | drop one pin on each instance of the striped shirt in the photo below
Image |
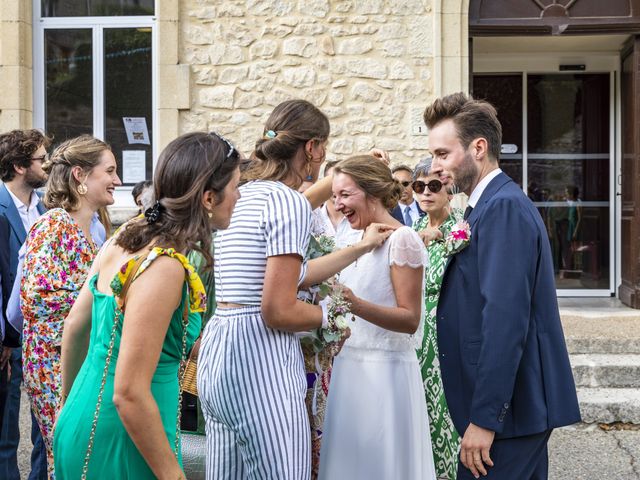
269	219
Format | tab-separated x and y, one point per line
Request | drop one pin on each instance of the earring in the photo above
82	189
309	176
210	214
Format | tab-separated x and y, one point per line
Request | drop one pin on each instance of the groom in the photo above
503	357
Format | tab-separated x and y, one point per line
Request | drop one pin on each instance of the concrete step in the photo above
606	370
608	405
600	326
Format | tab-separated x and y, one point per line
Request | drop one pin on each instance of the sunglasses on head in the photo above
231	149
434	186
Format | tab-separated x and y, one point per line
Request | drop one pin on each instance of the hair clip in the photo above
153	214
270	134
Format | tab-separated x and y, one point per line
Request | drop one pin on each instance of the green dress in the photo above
444	438
114	454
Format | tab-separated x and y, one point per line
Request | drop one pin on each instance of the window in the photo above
94	73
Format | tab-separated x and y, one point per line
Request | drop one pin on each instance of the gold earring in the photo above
210	214
82	189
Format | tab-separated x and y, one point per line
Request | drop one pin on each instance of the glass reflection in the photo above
69	87
127	90
98	8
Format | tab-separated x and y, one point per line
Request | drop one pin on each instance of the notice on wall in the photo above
133	166
136	128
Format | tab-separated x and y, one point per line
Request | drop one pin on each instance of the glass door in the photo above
557	146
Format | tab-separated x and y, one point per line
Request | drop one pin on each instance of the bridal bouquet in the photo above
337	328
458	238
321	345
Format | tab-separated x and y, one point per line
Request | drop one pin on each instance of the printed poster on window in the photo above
136	128
133	166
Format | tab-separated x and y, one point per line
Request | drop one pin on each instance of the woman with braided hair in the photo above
59	254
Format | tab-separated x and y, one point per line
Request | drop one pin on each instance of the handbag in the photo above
117	320
189	381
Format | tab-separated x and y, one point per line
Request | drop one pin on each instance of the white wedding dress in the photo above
376	425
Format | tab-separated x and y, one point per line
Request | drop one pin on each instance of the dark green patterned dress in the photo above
444	438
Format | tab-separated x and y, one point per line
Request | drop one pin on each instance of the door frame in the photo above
122	194
548	63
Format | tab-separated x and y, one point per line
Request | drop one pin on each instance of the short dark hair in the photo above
472	118
139	187
400	167
16	149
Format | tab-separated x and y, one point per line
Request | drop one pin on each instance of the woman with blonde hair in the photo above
376	424
59	254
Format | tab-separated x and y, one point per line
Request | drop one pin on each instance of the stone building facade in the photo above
371	65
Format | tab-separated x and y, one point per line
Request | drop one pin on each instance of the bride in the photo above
376	424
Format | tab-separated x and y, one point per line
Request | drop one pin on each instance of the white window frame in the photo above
548	63
122	196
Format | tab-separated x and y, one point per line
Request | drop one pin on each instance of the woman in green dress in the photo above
137	317
433	228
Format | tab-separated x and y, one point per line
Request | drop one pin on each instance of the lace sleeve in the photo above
406	249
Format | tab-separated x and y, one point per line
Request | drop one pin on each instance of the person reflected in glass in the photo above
440	218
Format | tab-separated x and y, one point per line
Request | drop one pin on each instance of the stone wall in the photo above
368	64
16	100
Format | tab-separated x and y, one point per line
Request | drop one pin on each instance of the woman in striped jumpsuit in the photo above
250	371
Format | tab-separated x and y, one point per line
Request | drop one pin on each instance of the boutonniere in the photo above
458	238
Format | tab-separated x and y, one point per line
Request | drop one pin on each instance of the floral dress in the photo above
56	265
444	438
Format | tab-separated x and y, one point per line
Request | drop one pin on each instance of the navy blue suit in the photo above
503	357
5	287
10	433
398	213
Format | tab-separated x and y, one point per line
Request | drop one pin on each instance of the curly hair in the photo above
16	149
472	118
373	177
85	152
189	166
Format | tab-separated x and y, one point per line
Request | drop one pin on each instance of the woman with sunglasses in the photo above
433	228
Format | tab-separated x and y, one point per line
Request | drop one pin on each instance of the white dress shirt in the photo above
414	211
482	184
28	213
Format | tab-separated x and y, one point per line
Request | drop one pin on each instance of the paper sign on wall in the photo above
133	166
136	128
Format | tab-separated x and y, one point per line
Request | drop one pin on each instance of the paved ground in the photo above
576	453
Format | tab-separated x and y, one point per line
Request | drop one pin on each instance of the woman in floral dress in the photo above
60	251
440	217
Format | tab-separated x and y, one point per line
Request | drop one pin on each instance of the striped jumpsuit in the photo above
251	379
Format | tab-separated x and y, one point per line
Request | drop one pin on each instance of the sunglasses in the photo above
434	186
42	158
232	150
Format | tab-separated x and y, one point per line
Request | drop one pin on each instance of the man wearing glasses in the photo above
22	153
407	210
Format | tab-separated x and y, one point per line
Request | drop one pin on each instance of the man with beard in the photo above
502	353
22	153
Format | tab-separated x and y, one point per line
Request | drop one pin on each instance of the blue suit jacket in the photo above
397	213
10	338
17	232
503	357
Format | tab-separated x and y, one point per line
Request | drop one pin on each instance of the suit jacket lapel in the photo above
11	212
490	191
